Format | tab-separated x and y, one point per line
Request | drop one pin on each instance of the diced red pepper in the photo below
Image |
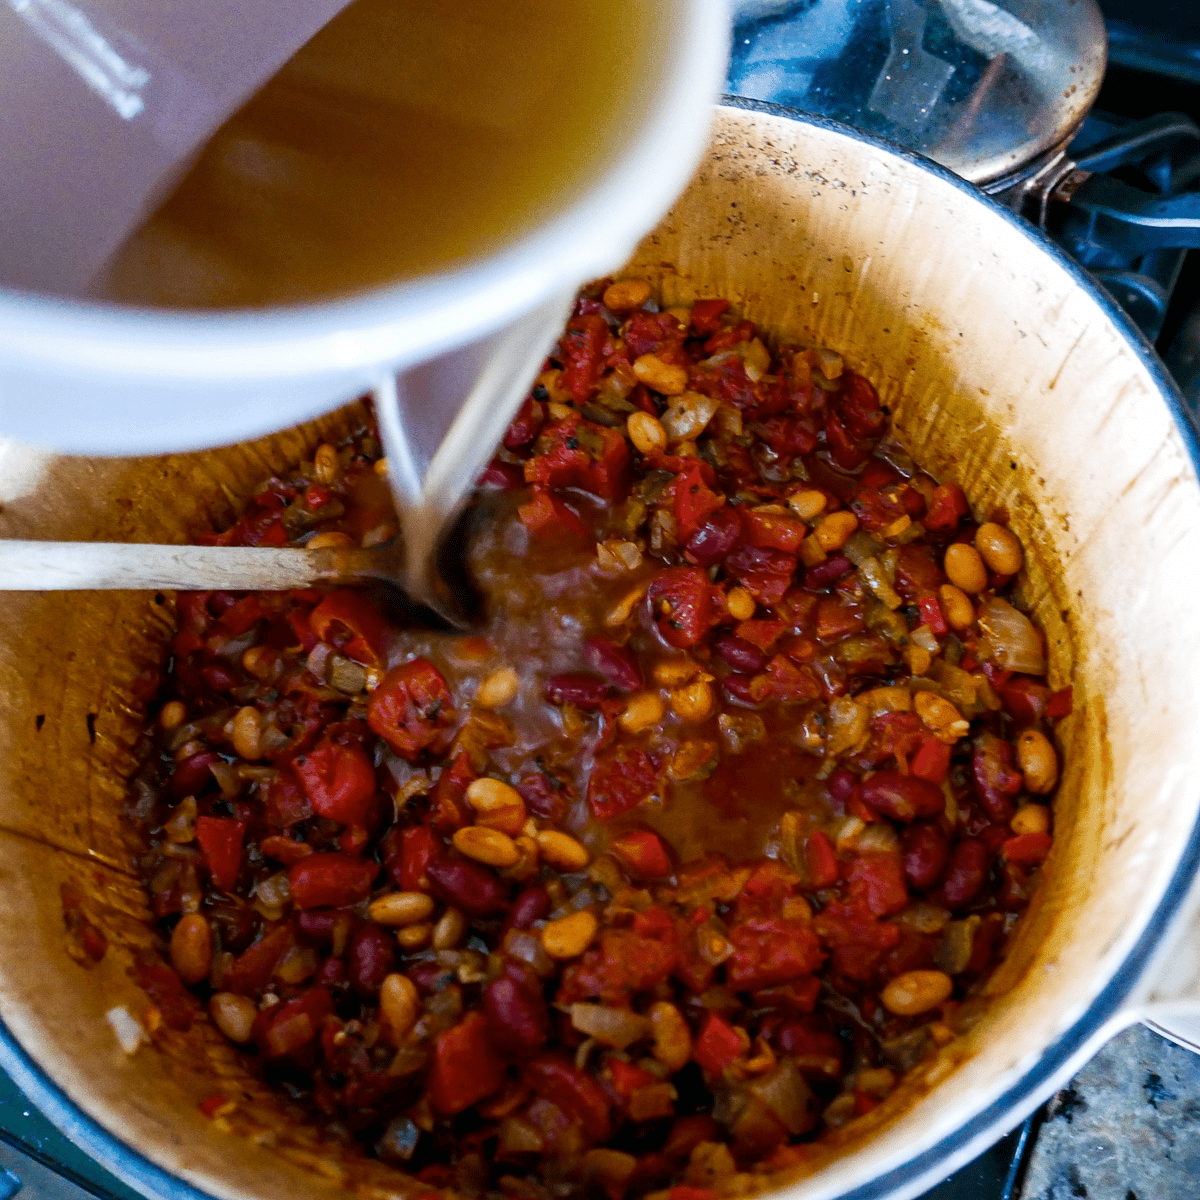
412	709
580	453
243	615
465	1068
1061	704
547	516
349	620
774	531
947	508
554	1077
718	1045
626	1078
706	315
820	860
221	840
694	500
339	780
581	349
932	615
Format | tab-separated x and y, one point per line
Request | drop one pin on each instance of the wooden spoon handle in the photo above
55	566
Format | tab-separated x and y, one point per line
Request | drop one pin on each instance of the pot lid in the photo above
982	88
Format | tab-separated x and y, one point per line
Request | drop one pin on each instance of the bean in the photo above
414	937
498	689
574	687
957	607
716	537
331	539
916	992
487	846
964	568
672	1040
1038	762
247	733
925	850
999	548
173	714
497	806
624	295
966	872
614	662
1030	818
467	885
644	711
399	1005
693	703
372	957
834	529
646	432
562	851
400	908
531	905
449	930
191	948
623	609
739	654
233	1015
569	936
662	376
901	797
741	604
518	1022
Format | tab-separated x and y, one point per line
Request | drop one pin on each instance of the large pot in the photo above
1003	366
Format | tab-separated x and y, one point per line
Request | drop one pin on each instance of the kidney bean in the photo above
544	797
740	687
332	973
830	571
318	924
518	1022
966	872
739	654
220	677
995	779
468	885
531	905
429	976
901	797
841	784
331	880
720	533
372	958
574	687
192	776
925	850
614	662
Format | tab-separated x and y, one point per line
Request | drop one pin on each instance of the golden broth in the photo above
403	138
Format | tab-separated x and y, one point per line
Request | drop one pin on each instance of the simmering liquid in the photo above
407	136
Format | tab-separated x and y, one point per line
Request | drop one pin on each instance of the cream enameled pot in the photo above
1003	365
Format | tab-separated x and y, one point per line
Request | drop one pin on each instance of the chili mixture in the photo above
708	835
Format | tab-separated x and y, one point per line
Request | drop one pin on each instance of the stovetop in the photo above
1127	1127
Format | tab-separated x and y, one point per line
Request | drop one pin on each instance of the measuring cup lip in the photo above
409	322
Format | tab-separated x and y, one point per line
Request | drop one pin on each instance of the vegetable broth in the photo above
403	139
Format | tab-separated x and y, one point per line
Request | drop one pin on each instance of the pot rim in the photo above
998	1117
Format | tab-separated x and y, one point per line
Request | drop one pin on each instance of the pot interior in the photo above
1001	370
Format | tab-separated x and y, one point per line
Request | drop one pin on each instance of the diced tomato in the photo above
580	453
718	1045
774	531
820	859
1060	704
932	615
877	883
412	708
221	840
621	779
288	1027
348	619
1028	848
932	761
624	961
790	682
626	1078
694	500
418	845
465	1068
770	950
331	880
243	615
642	853
547	516
761	633
947	508
339	780
836	619
581	349
682	604
706	315
554	1077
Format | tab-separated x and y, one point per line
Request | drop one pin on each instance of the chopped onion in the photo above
529	949
954	950
274	890
756	358
610	1026
687	415
861	546
787	1094
872	574
130	1032
848	724
878	839
924	637
1010	635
